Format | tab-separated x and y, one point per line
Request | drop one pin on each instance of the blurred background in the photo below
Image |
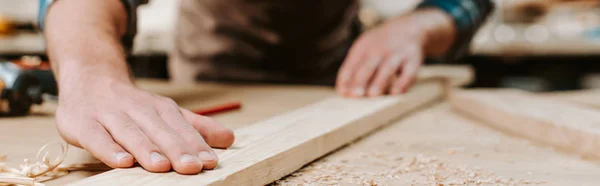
535	45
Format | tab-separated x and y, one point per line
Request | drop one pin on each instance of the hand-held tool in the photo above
22	84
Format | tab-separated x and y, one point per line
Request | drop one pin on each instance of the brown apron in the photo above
285	41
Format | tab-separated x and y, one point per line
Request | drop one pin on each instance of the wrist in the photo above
76	74
75	88
437	29
410	25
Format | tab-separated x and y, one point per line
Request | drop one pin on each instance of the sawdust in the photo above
419	169
34	173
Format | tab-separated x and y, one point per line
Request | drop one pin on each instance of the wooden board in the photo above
269	150
453	76
568	126
453	140
589	98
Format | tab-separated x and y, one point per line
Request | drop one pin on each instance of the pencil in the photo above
219	108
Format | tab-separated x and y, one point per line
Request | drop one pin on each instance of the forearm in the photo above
464	17
83	39
438	27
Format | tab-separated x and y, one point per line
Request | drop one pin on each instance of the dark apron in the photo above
265	41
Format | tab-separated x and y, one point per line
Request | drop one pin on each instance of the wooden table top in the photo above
462	147
435	135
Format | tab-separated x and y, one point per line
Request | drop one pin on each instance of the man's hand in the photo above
119	123
387	58
100	109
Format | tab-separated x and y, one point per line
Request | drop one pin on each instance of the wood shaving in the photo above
422	169
34	173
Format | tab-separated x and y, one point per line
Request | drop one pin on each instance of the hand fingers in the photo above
127	133
384	74
169	111
215	134
344	78
183	159
364	74
407	76
96	140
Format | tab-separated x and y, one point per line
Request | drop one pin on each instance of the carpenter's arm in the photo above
386	59
466	16
84	37
102	111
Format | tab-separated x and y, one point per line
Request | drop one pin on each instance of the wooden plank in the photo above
589	98
269	150
571	127
453	75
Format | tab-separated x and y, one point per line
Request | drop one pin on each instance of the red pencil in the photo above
219	108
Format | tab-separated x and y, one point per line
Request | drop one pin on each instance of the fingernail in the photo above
374	91
120	156
186	158
207	156
395	92
358	92
156	157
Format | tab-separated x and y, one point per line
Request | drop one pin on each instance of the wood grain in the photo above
589	98
269	150
567	126
436	132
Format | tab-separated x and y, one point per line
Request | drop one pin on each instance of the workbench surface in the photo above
430	144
